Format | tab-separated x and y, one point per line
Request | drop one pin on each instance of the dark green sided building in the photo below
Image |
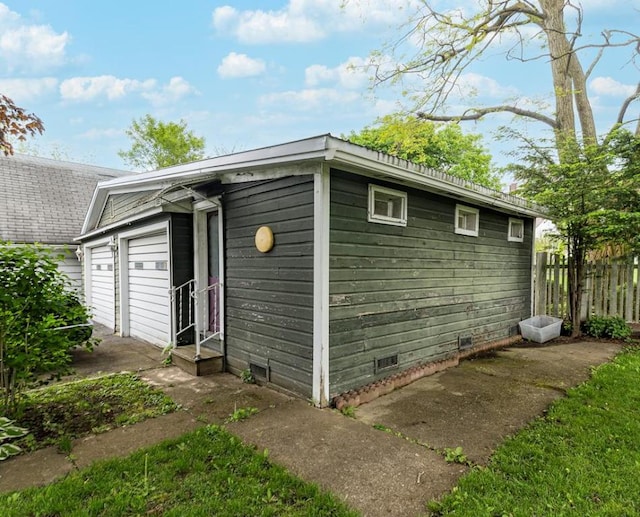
318	265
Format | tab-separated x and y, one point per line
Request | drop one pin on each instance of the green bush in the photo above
35	301
613	327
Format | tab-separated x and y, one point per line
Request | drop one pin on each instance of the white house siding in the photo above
72	267
148	288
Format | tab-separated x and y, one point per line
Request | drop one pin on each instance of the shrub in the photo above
34	303
8	433
613	327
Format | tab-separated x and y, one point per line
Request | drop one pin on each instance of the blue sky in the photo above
242	74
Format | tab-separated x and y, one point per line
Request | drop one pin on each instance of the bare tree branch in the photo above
478	113
625	105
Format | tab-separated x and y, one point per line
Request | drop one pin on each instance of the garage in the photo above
101	281
147	284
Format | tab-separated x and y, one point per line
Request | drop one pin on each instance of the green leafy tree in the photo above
16	123
546	31
593	194
34	303
443	147
156	144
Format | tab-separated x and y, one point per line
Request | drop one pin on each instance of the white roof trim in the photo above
336	152
117	224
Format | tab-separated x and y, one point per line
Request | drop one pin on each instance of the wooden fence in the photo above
611	287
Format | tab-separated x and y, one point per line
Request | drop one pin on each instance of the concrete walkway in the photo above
474	405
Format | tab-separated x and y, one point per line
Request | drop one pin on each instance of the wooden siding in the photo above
71	266
415	290
122	206
269	296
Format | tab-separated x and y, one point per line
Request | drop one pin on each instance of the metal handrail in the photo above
194	296
181	295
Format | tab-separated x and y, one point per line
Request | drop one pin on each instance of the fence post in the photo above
540	283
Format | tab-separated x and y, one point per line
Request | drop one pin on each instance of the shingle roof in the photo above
43	200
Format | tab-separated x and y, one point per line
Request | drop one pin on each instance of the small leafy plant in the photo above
240	414
455	455
349	411
8	433
167	354
613	327
247	377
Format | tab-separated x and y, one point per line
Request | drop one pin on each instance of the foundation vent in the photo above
386	363
259	372
465	342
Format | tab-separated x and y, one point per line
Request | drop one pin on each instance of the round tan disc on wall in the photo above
264	239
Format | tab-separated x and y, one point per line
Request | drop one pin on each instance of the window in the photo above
516	230
387	206
467	220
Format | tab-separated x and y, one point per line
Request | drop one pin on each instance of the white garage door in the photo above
149	288
102	286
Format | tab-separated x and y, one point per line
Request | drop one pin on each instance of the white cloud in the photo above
610	87
307	20
240	65
21	90
177	88
309	99
25	46
352	74
107	86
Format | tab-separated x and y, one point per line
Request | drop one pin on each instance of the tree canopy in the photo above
443	147
15	122
156	144
575	175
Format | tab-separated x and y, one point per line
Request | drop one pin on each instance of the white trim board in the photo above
321	207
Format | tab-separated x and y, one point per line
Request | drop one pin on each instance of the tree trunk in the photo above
576	276
554	29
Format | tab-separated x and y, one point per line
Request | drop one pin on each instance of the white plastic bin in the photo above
541	328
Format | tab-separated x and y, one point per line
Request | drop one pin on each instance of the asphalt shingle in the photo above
44	200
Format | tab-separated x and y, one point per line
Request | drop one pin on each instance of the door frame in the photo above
201	209
123	266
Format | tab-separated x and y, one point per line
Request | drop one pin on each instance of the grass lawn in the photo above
582	458
58	413
206	472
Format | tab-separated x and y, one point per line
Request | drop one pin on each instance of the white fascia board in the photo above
365	162
301	150
98	199
117	224
211	168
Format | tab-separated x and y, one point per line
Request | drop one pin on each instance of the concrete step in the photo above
209	362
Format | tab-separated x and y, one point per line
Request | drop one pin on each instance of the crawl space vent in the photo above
259	372
386	363
465	342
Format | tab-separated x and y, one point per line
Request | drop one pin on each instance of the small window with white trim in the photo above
516	230
467	220
387	206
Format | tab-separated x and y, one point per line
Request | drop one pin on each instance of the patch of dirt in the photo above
79	410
